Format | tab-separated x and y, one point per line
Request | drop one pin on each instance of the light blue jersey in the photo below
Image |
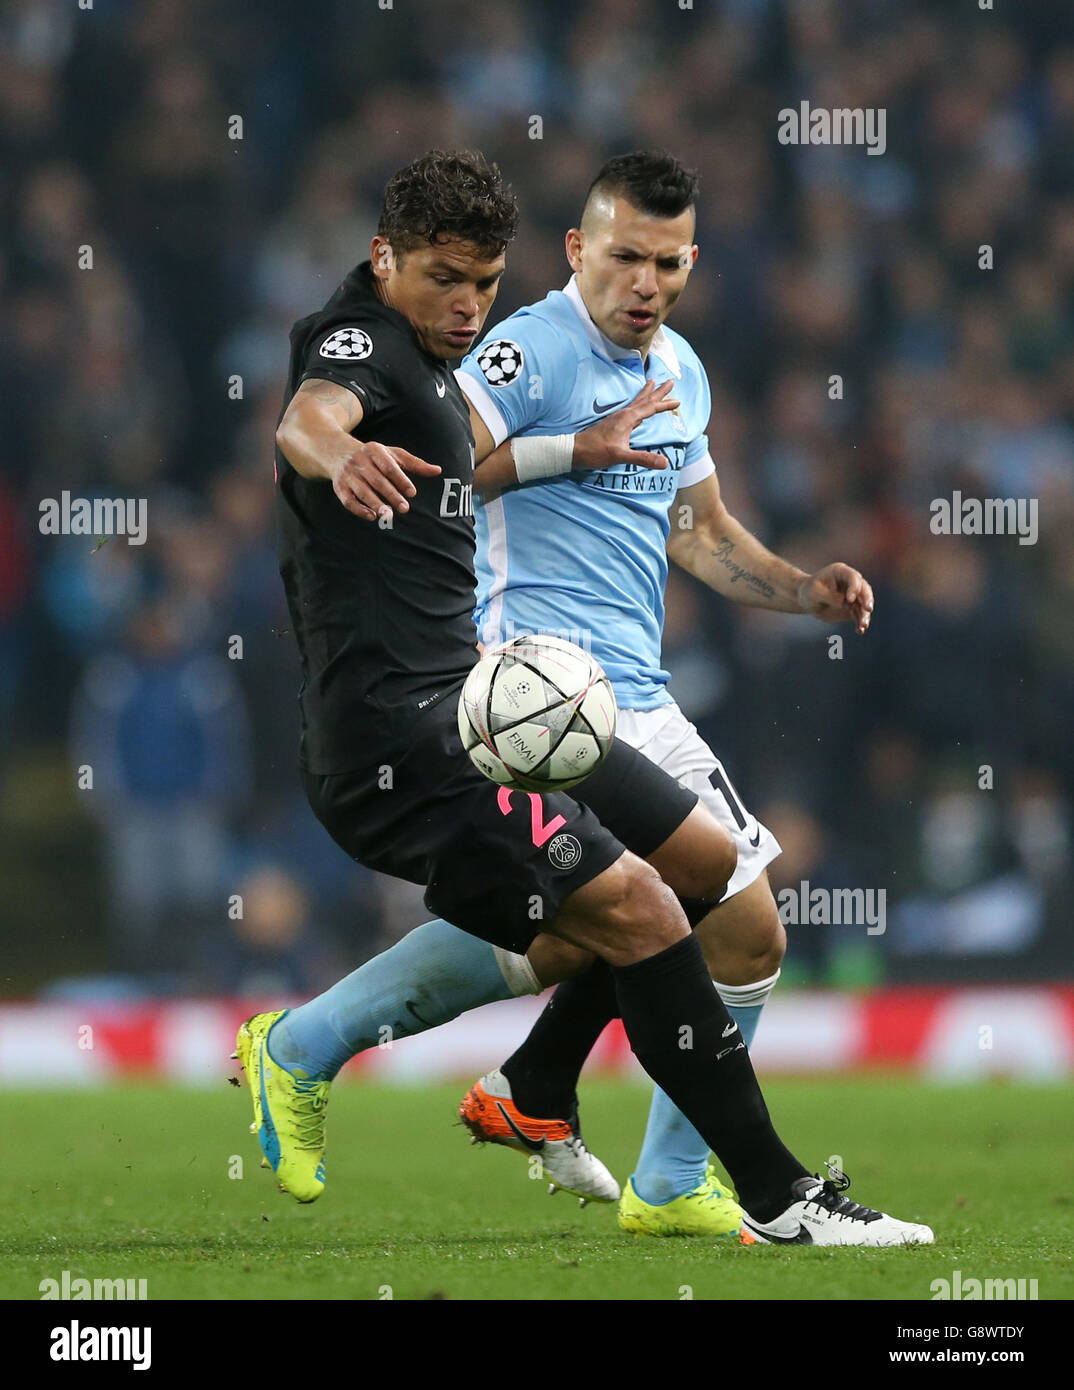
583	555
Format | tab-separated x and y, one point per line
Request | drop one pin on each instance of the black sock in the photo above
679	1029
544	1071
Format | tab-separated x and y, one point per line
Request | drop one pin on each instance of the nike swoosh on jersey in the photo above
441	389
755	840
534	1145
603	409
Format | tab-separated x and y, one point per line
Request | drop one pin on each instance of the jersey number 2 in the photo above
540	829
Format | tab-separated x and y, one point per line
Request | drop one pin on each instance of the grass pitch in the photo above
146	1182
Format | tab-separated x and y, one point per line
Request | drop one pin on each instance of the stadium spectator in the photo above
163	730
265	952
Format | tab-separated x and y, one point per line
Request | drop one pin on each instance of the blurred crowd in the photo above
180	180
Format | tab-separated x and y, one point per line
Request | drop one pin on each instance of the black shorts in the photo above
496	863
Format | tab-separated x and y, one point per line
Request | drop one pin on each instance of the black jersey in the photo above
383	615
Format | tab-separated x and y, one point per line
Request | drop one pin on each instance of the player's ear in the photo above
575	241
381	257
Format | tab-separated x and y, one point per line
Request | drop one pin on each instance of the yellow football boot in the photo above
708	1210
288	1112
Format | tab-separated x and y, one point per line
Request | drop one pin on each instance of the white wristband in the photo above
542	456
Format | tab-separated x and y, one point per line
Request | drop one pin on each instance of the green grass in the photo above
133	1182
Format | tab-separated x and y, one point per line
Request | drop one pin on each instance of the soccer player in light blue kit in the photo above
582	553
589	421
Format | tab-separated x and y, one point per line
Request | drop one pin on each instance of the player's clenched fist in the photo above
370	479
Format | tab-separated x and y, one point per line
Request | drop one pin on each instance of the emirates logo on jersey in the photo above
347	345
457	498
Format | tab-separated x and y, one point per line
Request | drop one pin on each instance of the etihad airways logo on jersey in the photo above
457	498
632	477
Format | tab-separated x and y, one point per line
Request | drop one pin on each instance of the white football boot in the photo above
491	1116
822	1215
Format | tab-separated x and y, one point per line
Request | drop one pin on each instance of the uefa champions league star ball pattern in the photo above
347	345
537	714
500	362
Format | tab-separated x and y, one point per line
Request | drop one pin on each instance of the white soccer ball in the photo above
537	714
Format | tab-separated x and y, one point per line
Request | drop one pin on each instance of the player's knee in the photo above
628	879
744	956
724	863
638	906
707	873
769	959
699	858
768	941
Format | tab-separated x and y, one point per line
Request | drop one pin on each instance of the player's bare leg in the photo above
743	939
554	960
695	862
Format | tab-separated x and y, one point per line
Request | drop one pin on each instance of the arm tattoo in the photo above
752	581
346	407
325	391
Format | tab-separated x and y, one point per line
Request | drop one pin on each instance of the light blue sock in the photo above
673	1155
430	977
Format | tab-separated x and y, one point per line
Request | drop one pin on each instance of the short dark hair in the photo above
650	181
453	194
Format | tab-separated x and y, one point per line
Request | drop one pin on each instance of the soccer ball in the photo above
537	714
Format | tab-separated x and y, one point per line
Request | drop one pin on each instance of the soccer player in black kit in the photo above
375	468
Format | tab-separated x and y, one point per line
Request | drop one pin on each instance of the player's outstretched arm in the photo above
707	541
315	438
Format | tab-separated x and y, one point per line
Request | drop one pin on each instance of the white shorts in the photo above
668	738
